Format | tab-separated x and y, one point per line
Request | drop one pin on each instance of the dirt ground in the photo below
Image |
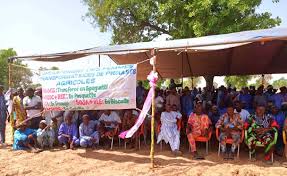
128	162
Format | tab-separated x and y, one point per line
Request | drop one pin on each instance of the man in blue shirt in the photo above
246	99
24	138
3	115
186	102
280	118
280	98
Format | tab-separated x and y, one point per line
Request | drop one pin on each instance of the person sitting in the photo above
244	114
24	138
129	119
45	135
109	121
89	135
261	128
230	125
214	115
198	125
169	131
279	116
68	132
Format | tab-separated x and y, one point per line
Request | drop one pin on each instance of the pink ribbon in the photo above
152	77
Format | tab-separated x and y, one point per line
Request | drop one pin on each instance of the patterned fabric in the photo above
266	139
226	121
199	124
45	137
19	109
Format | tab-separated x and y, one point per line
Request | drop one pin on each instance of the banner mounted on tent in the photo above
90	89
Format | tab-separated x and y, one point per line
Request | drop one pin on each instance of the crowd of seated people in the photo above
261	112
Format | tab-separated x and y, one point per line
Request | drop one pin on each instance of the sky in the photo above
40	27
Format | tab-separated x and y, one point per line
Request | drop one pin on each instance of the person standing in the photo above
33	106
3	115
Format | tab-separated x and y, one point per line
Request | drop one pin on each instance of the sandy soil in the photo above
127	162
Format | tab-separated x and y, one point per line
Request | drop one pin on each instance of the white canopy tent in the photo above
241	53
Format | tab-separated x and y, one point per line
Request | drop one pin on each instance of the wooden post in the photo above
262	80
153	53
9	73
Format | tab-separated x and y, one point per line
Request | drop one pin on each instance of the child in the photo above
45	135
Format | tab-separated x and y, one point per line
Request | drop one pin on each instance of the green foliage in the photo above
266	80
188	82
137	20
279	83
21	75
159	83
237	81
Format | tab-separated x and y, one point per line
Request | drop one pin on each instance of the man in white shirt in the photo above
33	106
244	114
109	121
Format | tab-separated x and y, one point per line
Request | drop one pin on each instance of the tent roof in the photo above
241	53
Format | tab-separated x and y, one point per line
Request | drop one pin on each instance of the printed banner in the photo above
90	89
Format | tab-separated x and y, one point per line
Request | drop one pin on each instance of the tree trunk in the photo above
209	81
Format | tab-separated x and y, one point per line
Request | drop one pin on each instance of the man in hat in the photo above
3	115
24	138
89	135
45	135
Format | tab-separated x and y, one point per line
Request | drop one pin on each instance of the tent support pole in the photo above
153	53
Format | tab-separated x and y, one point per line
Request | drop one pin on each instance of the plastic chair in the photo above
284	137
230	141
115	133
179	126
259	144
204	139
139	134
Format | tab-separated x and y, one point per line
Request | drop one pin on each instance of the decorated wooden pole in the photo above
153	63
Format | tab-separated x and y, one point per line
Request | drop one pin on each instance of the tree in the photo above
279	83
266	80
237	81
137	20
21	75
188	82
